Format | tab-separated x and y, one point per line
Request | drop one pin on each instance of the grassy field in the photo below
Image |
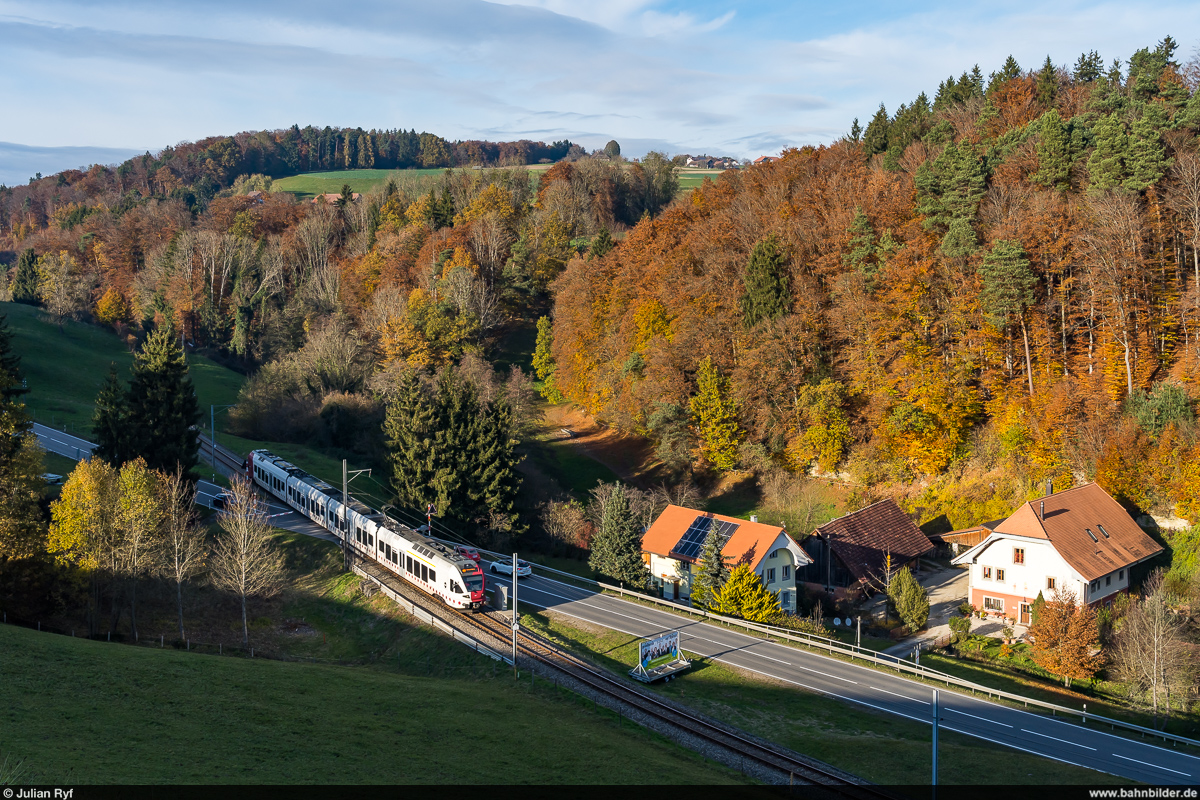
64	369
309	184
879	747
417	708
692	178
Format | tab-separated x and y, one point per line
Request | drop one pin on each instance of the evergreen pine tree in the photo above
1011	69
1047	83
25	282
110	421
1054	152
714	413
855	131
909	599
875	139
1106	166
602	243
745	596
162	406
960	240
409	429
543	360
1144	160
1088	68
12	382
498	481
712	571
766	295
861	253
617	545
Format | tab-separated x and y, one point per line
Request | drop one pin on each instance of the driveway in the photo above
947	588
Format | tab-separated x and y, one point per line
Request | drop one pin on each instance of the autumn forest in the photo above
995	285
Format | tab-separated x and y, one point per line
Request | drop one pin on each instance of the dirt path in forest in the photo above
630	457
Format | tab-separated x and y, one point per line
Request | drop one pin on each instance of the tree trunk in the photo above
179	600
1028	363
1128	367
245	627
133	609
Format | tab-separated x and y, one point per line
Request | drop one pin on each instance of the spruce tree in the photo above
21	484
1088	68
617	545
712	571
860	255
543	360
767	294
714	414
1008	284
1047	83
1106	165
110	421
163	410
909	599
25	282
602	244
1054	152
409	428
875	138
1144	160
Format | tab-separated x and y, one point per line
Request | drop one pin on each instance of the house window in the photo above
987	573
787	572
1121	575
993	604
1018	555
999	574
1051	583
771	575
1108	580
1095	586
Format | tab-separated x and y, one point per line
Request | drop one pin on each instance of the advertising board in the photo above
658	651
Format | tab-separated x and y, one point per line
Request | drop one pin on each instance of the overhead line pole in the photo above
345	526
515	623
935	735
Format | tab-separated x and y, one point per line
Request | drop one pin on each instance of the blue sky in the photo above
737	78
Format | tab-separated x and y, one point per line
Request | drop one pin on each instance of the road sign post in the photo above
515	619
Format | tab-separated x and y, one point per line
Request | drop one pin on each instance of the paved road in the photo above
1033	733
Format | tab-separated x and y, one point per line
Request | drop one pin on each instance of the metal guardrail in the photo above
876	658
424	616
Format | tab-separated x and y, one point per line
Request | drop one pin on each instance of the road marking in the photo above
826	674
906	697
1156	766
1055	738
972	716
1026	750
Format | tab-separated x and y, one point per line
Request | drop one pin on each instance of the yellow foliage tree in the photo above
494	200
650	320
112	308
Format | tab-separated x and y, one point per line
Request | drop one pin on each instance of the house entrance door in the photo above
675	584
1025	614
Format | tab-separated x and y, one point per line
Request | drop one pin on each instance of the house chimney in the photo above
1049	487
753	518
1043	511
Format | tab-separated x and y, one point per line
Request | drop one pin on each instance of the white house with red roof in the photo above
1080	539
673	545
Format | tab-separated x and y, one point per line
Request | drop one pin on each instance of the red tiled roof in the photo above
862	540
1069	515
674	521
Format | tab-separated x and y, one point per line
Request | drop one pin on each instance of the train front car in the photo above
472	577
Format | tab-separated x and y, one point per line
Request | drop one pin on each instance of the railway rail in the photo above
744	750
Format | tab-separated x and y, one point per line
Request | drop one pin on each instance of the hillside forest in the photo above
974	294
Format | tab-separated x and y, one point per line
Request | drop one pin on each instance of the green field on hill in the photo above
65	367
89	712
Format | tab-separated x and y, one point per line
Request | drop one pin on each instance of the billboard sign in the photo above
658	651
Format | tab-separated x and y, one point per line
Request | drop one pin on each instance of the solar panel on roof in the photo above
692	541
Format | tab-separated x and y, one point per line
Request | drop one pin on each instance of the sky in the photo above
111	78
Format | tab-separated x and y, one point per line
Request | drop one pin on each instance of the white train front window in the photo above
474	584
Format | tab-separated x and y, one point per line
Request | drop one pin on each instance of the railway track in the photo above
228	460
744	749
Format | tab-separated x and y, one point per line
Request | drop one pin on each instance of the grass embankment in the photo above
879	747
419	708
64	369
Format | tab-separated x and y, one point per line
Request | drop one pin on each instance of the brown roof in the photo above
968	537
862	540
674	521
333	197
1115	541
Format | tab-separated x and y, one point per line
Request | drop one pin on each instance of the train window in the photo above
424	573
408	563
370	540
454	587
432	577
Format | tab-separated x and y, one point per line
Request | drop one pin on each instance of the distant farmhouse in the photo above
765	159
710	162
333	197
673	545
1080	540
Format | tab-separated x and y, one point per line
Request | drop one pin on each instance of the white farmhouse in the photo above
1080	540
672	546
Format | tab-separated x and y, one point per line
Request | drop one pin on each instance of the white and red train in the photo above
431	566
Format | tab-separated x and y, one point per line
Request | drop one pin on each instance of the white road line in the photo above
906	697
1055	738
1156	766
826	674
983	719
1033	752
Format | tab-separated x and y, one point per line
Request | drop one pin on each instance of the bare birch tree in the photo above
245	559
183	549
1151	654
